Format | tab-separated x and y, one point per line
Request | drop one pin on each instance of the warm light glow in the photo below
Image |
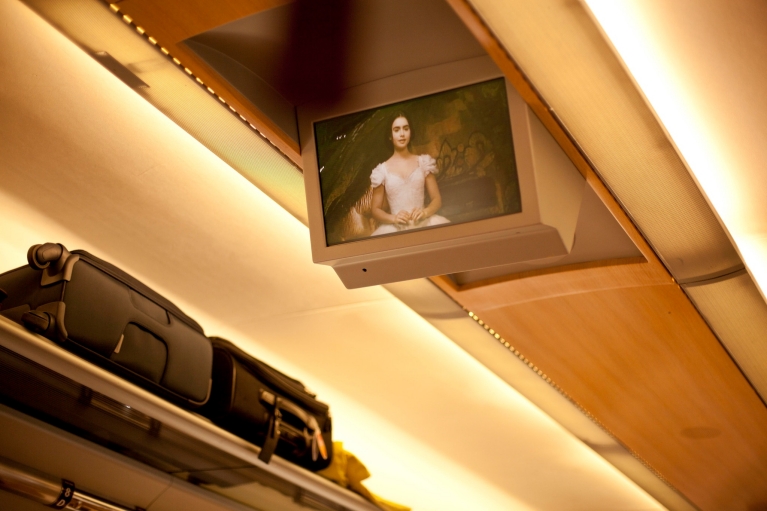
697	84
378	341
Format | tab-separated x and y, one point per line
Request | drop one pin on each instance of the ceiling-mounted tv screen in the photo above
445	158
417	174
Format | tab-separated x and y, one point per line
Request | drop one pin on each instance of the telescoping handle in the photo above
40	257
312	431
54	260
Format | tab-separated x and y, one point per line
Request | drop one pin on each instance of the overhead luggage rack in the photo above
51	385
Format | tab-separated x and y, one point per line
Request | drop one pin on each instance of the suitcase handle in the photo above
291	408
40	322
40	257
313	438
54	260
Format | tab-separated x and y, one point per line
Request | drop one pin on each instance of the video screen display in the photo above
437	160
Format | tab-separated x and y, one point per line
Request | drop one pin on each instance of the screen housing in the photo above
550	189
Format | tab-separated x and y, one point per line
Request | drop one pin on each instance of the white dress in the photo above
406	194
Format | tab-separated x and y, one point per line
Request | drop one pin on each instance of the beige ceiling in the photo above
86	161
702	67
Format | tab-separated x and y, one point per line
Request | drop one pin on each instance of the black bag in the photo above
260	404
104	315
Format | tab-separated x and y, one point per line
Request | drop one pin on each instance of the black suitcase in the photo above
101	313
260	404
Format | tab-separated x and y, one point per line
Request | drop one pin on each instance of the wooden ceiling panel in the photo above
643	362
171	22
180	19
545	283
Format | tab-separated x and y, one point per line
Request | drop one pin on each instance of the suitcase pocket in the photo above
141	352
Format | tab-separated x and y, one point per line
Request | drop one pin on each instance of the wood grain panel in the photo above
171	22
645	364
560	281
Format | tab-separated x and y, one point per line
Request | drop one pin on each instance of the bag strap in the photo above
272	433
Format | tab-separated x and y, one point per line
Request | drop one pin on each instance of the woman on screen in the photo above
404	180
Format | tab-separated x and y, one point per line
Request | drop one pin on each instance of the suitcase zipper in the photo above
139	287
279	382
287	386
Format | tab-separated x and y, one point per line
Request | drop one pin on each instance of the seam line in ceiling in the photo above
713	278
333	308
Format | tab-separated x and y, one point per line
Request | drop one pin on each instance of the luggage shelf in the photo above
42	380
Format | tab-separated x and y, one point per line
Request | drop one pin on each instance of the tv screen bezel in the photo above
404	87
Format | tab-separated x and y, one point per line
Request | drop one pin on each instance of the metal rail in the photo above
49	491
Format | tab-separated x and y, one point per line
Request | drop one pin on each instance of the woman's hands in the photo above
413	216
418	214
402	218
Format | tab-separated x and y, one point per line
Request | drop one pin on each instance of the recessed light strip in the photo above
559	389
140	30
514	351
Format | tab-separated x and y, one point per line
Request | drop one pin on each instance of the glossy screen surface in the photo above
459	152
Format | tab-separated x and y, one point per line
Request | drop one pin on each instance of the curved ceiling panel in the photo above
598	103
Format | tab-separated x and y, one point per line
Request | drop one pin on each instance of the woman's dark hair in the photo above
387	134
346	178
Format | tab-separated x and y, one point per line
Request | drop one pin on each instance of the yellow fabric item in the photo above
346	470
